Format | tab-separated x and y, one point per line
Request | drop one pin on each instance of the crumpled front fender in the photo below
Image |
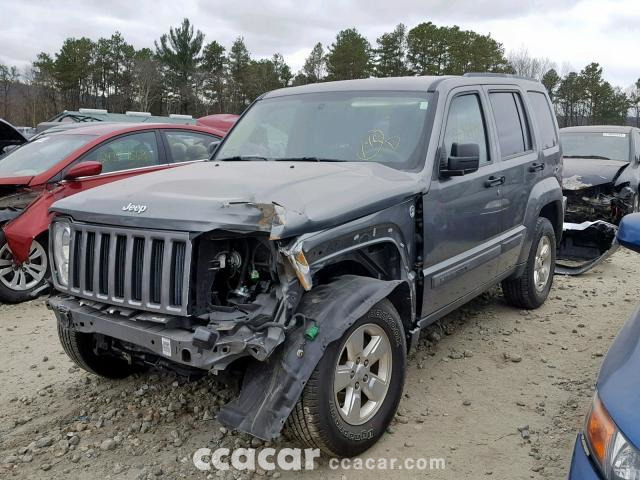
271	389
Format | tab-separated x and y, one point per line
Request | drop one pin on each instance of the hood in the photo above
580	173
15	181
9	135
619	383
282	198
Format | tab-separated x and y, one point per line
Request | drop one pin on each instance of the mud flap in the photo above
271	389
585	245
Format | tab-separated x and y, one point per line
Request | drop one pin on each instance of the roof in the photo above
107	128
97	115
391	83
415	84
222	121
599	129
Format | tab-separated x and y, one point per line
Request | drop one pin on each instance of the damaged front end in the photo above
14	199
591	218
167	298
585	245
598	195
608	202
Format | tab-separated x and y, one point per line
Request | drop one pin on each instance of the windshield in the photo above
40	154
595	145
384	127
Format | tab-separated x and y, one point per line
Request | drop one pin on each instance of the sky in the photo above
571	33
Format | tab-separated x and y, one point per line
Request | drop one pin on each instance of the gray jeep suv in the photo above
332	224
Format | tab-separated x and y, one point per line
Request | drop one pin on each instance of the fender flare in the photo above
544	192
271	389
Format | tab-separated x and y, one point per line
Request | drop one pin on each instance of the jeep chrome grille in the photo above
136	269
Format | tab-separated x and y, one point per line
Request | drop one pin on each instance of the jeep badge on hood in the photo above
134	208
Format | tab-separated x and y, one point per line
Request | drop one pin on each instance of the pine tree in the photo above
314	69
391	53
349	56
179	52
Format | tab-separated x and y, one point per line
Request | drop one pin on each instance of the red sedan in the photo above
59	164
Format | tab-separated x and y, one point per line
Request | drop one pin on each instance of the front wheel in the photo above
20	282
530	290
80	348
356	387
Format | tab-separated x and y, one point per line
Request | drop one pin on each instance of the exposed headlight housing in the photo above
61	245
617	458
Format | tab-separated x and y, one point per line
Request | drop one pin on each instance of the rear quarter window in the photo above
547	135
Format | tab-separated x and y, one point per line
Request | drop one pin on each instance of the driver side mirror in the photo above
213	146
83	169
464	158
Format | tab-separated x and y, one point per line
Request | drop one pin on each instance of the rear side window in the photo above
547	134
511	122
189	146
465	124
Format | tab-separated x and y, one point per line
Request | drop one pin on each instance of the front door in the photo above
462	215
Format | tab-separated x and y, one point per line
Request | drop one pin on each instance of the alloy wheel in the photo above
362	374
25	276
542	266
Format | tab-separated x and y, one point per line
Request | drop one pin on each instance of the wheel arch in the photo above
553	212
271	389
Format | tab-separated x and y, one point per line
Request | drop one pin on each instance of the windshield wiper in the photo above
242	158
307	159
588	157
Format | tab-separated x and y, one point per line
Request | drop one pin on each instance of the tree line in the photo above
182	73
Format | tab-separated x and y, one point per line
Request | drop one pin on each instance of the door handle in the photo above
494	181
536	167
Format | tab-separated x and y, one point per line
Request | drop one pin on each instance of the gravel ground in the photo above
498	393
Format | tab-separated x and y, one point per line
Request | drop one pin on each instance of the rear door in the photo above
521	165
462	214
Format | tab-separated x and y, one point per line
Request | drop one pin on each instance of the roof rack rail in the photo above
185	117
498	75
137	114
95	111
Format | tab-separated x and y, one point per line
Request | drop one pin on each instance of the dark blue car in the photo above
609	446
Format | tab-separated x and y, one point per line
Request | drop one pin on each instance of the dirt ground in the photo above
498	393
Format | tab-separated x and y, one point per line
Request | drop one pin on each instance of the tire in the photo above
79	347
528	291
319	418
19	285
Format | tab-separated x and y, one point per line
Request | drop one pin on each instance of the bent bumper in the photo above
178	339
581	466
585	245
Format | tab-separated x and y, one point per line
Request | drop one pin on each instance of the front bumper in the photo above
181	340
581	466
585	245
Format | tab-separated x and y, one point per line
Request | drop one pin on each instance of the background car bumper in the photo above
581	466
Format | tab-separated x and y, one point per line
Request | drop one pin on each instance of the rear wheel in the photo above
530	290
20	282
355	389
80	347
